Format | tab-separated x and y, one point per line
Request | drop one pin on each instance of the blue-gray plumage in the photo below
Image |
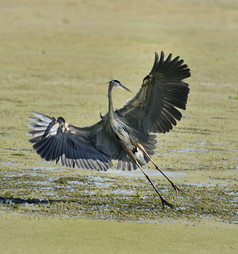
124	134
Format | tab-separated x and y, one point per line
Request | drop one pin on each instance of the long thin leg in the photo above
164	202
129	152
143	150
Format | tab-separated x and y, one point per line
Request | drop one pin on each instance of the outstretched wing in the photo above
154	107
55	140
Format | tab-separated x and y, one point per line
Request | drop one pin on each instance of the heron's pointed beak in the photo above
125	88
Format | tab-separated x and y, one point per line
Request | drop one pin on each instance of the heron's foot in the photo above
173	185
165	202
176	188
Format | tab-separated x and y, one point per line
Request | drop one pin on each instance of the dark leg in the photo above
164	202
173	185
129	152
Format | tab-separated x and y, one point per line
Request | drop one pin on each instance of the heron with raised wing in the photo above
123	134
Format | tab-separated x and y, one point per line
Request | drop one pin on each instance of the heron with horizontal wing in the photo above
123	134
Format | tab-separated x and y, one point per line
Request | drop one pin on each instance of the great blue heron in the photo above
123	134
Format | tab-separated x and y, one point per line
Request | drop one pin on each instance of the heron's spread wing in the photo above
154	107
55	140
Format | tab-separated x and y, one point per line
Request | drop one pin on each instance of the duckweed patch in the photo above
103	196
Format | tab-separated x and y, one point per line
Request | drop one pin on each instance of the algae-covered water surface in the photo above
57	57
56	192
55	72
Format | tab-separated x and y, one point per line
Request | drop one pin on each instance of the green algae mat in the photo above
56	235
56	58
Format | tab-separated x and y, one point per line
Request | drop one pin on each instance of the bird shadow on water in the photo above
28	201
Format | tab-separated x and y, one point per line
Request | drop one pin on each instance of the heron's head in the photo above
116	83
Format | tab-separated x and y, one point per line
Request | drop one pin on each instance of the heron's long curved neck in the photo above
110	105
